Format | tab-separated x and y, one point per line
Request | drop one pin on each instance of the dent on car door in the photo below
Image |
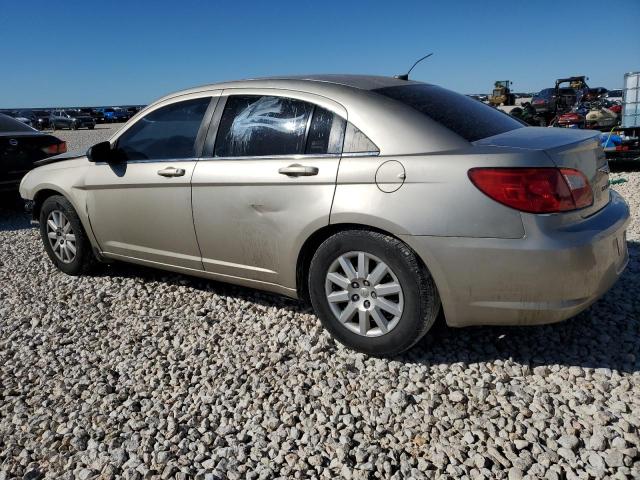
140	207
267	183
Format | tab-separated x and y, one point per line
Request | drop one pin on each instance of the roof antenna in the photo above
406	75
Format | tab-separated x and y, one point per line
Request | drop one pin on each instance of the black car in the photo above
97	115
546	101
71	119
20	146
39	118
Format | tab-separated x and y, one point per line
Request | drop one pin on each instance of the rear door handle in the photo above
171	172
297	170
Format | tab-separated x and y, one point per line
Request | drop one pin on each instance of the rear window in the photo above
8	124
468	118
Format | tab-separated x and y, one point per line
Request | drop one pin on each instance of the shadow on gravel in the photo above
12	215
625	166
607	335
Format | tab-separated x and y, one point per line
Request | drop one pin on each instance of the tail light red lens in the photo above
56	148
535	190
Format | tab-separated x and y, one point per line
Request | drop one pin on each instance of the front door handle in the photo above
297	170
171	172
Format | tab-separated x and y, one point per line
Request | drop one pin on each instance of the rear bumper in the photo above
545	277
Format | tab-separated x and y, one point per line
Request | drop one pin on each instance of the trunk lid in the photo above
567	148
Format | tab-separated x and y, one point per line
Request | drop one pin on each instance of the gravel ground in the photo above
136	373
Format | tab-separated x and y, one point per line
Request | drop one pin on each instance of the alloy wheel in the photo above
61	236
364	294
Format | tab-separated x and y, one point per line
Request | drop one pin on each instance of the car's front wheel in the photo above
371	292
63	236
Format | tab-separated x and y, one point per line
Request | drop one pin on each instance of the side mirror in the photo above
101	152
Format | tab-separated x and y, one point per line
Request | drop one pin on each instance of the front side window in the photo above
166	133
262	126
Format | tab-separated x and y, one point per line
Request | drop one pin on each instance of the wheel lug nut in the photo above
367	304
366	283
355	298
355	285
374	295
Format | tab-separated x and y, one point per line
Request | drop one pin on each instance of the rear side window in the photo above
262	126
166	133
357	142
326	133
470	119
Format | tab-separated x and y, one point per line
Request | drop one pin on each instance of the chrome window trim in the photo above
152	160
292	157
263	157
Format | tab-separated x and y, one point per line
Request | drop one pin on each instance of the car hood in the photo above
59	158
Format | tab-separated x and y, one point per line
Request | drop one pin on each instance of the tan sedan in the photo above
380	200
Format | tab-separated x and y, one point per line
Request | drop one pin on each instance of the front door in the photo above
266	183
140	207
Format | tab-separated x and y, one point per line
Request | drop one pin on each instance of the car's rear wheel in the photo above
371	292
63	236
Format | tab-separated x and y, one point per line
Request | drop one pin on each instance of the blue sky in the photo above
119	52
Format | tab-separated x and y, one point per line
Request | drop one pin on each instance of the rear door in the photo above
266	182
140	209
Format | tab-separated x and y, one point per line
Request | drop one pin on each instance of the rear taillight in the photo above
535	190
55	148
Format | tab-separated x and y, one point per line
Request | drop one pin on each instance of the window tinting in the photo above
262	126
357	142
168	132
470	119
326	133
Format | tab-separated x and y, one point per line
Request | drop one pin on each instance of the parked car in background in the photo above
108	114
120	114
131	111
71	119
97	115
20	147
41	119
379	199
546	100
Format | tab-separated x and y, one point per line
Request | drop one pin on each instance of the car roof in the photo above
316	83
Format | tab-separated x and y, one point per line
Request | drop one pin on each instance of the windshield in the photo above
468	118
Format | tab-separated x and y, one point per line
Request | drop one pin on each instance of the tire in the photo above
53	126
73	126
90	127
417	300
83	259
